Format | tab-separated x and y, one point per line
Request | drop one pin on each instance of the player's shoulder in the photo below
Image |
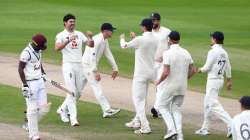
61	33
165	29
237	117
79	32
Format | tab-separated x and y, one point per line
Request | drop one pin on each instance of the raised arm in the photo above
134	43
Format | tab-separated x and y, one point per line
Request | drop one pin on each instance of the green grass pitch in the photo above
93	126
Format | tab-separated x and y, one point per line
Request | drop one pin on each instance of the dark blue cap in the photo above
155	16
219	36
245	102
107	26
174	35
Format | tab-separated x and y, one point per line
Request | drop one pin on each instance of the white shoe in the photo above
229	133
143	131
25	126
133	124
110	112
75	123
35	138
202	132
63	115
171	135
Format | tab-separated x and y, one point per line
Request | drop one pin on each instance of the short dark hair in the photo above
245	102
147	23
68	17
218	36
174	35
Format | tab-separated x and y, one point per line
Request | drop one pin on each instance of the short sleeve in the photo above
25	56
191	61
59	38
166	58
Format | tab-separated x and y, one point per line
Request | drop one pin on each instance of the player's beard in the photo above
155	26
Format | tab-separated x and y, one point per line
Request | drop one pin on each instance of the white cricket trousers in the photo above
72	73
169	106
158	70
37	106
212	106
89	76
140	92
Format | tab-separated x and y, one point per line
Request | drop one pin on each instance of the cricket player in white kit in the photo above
32	76
161	33
145	48
90	60
70	43
241	122
172	85
216	65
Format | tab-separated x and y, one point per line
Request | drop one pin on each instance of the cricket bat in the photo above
60	86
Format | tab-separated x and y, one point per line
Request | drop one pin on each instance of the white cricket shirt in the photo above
146	46
32	70
241	126
162	36
217	63
92	56
72	51
179	60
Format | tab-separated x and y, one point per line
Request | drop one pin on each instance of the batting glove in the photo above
44	76
26	91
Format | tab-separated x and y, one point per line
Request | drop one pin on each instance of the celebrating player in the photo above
145	48
216	65
32	76
178	67
70	43
90	60
241	122
161	33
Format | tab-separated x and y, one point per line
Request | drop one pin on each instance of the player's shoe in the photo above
154	113
111	112
25	126
171	135
229	133
133	124
202	132
35	138
75	123
145	130
63	115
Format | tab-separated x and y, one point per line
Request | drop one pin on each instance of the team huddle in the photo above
159	58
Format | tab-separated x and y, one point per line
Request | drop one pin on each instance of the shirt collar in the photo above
174	45
245	111
32	49
101	36
68	31
146	33
156	31
216	45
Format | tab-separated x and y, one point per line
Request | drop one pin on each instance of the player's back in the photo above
144	55
241	126
220	62
179	60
